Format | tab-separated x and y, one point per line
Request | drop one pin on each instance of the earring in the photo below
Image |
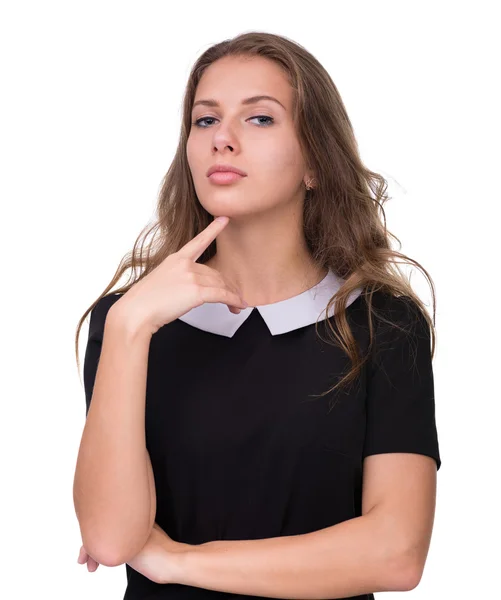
309	182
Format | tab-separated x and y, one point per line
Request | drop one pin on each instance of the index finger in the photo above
197	246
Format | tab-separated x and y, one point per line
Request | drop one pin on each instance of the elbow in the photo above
415	573
113	543
411	579
400	556
108	557
404	574
112	555
99	553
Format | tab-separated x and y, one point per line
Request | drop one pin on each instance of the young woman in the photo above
260	399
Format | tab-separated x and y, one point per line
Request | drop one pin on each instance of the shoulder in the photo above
99	312
397	320
400	310
387	313
390	304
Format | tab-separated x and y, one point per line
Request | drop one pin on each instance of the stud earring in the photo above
309	182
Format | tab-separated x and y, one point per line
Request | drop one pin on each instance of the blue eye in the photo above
199	121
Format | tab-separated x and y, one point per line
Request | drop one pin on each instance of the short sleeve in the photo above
94	344
400	387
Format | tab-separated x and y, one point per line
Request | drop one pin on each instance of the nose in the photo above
223	136
223	146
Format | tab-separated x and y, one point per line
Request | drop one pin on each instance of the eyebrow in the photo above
245	101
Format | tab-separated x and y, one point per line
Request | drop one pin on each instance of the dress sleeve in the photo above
94	343
400	388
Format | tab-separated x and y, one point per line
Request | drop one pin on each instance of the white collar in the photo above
280	317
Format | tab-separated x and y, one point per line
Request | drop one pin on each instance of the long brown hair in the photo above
342	214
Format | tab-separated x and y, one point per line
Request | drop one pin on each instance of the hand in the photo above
157	558
84	557
177	285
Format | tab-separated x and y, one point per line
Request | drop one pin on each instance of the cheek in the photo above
194	157
283	157
190	156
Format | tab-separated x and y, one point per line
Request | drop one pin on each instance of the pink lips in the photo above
224	177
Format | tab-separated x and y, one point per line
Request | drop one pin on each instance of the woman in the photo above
230	446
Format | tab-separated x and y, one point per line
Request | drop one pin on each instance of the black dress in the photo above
239	445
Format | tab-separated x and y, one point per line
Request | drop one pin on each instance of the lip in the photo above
225	168
224	177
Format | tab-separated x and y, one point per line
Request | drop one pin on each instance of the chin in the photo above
232	205
226	209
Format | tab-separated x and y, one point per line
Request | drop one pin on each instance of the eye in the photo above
270	122
202	119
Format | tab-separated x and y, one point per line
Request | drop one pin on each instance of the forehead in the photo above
232	79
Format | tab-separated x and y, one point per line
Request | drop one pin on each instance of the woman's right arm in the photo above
113	489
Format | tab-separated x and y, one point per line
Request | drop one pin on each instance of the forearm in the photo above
351	558
111	487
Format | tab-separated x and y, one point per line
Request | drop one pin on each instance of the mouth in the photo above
224	177
224	167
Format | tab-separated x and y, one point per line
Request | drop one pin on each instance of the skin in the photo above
262	249
156	560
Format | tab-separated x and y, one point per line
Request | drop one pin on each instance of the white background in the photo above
90	112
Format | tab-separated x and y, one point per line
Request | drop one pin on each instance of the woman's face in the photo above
258	138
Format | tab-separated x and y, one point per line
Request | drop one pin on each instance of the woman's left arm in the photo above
354	557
